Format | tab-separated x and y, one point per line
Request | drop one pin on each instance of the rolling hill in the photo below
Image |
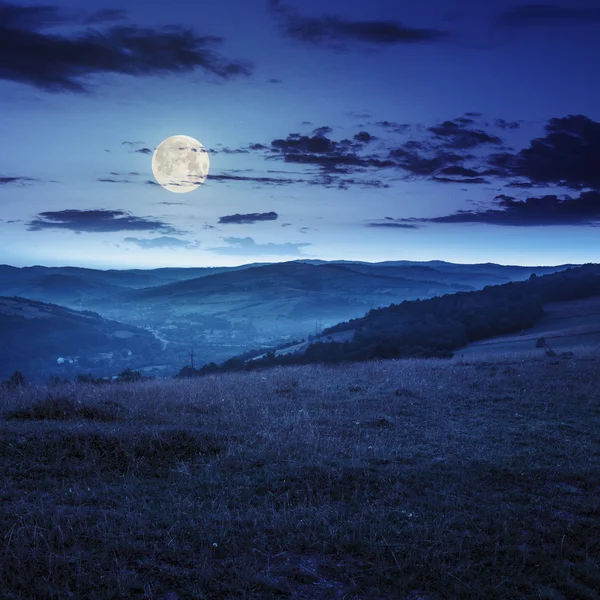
41	339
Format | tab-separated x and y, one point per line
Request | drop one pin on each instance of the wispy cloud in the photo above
97	221
248	247
162	242
249	218
341	33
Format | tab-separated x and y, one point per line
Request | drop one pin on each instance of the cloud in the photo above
321	151
472	180
393	224
161	242
364	137
504	124
249	218
112	180
133	144
97	221
568	155
258	179
63	62
547	14
248	247
20	180
393	126
337	32
583	210
320	131
458	136
143	151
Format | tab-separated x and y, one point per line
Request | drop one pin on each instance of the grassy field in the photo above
567	327
416	480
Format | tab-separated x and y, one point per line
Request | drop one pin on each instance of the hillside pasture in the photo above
572	326
414	479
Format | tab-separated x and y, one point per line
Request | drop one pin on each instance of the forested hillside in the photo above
438	326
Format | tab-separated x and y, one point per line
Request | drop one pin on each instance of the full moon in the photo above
180	164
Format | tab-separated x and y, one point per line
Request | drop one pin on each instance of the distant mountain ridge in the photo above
226	311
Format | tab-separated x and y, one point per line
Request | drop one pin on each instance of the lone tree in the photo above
17	379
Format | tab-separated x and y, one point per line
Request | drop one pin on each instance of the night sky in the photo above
464	131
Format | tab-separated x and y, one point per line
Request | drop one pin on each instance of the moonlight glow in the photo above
180	164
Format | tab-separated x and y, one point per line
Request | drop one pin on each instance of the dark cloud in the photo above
393	126
227	150
458	171
336	32
249	218
521	184
548	14
472	180
459	174
464	120
161	242
458	136
568	155
143	151
63	62
274	80
329	155
96	221
263	180
364	137
128	143
319	131
535	211
411	158
504	124
112	180
392	223
20	180
248	247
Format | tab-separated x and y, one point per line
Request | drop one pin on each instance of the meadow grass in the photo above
408	479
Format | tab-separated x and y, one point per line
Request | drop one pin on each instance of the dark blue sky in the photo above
386	130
